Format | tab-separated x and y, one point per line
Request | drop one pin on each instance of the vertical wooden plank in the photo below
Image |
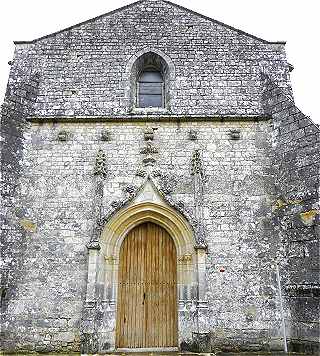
166	293
138	301
133	288
127	291
125	304
147	264
121	335
153	273
121	295
145	289
162	301
130	296
157	286
141	286
149	327
170	294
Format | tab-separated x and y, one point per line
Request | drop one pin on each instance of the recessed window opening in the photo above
150	89
150	83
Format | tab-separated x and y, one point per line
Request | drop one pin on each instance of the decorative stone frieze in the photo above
198	191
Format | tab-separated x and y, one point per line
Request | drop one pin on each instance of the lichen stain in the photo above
28	225
308	217
281	203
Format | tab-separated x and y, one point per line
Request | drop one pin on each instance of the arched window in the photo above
150	81
150	89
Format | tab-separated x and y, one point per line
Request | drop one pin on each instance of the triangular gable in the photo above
149	193
151	3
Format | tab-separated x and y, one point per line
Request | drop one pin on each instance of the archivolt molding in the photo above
145	50
122	222
164	185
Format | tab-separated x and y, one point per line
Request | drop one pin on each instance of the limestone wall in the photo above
57	188
85	70
253	188
296	213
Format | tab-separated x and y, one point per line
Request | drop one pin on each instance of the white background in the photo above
294	21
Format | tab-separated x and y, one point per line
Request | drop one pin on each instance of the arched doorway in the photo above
147	289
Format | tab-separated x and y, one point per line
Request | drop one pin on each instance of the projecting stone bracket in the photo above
234	134
63	135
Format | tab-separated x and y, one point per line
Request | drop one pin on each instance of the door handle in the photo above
144	298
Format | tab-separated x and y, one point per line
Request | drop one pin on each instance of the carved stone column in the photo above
94	246
89	338
198	176
202	287
93	250
198	189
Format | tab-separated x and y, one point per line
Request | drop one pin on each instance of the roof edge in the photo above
224	24
272	82
80	23
139	2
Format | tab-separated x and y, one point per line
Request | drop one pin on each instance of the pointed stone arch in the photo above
127	218
147	205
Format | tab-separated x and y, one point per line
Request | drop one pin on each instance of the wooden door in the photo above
147	289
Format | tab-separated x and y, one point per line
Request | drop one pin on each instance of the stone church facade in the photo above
158	186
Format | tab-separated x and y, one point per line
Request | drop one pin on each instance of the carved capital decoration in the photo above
93	245
110	259
185	259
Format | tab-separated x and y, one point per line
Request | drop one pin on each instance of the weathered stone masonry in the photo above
296	212
229	152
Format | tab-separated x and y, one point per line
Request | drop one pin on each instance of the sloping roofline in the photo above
139	2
